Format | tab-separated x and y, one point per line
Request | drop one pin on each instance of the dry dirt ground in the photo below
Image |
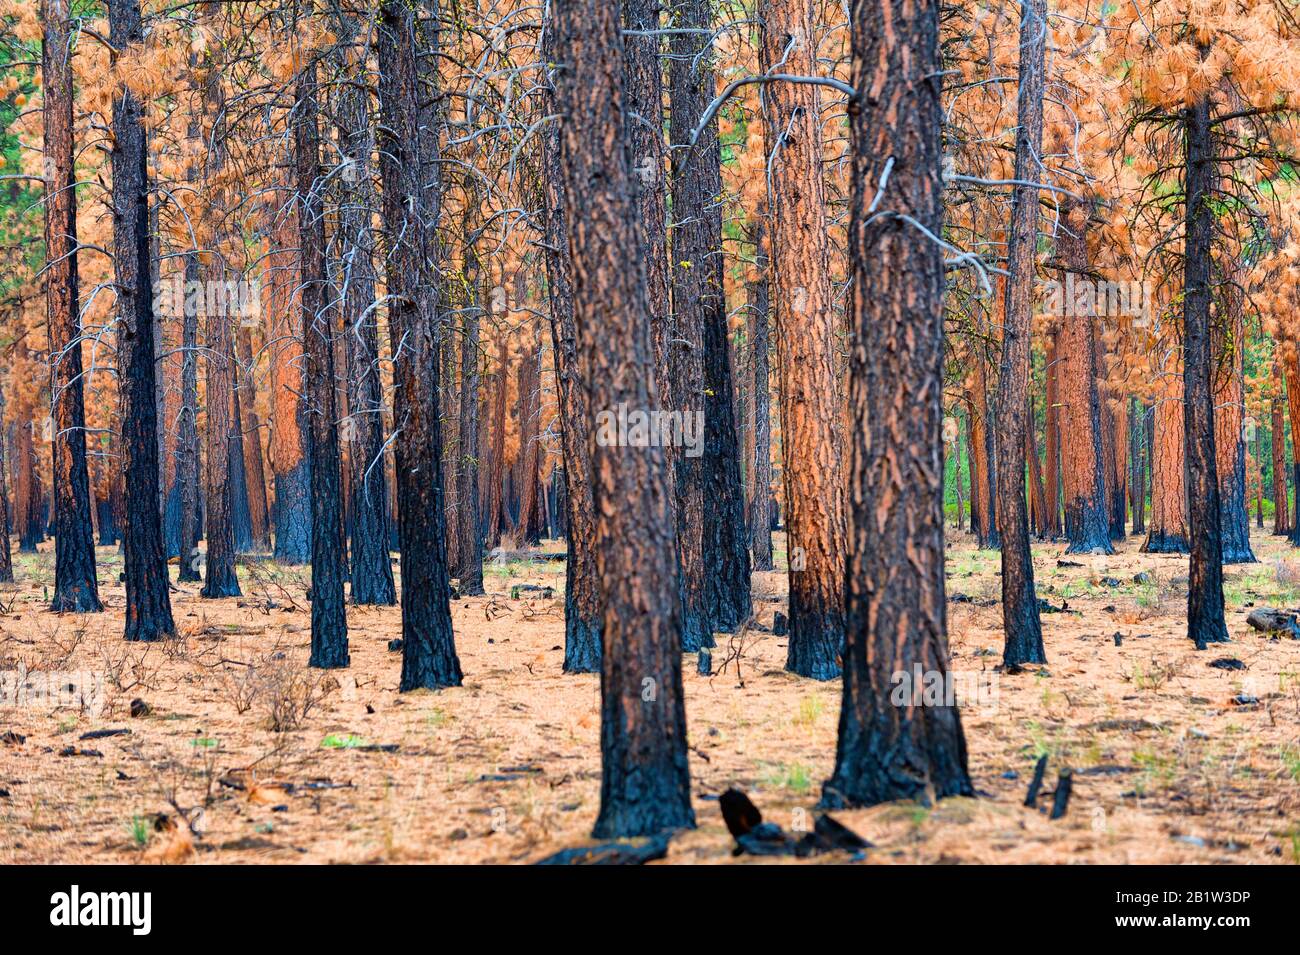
1173	761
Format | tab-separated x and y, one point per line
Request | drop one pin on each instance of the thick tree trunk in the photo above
329	625
895	602
807	338
645	780
148	604
1205	609
412	198
1020	620
75	588
1277	437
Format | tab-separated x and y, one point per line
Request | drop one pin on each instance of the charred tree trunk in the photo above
329	625
411	205
371	569
760	505
75	588
582	609
645	779
187	439
1205	608
219	578
696	259
470	571
895	601
148	604
583	619
807	339
1023	628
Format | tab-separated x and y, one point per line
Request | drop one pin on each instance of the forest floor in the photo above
1167	767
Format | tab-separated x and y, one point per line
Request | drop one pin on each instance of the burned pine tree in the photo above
329	625
895	601
148	604
645	778
808	343
1020	619
75	587
412	197
371	568
1205	607
220	578
696	251
582	609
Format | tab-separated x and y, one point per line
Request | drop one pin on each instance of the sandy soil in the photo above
1168	768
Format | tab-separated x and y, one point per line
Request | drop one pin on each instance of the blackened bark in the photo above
1020	619
1205	608
469	515
529	526
148	604
219	576
582	613
371	568
329	625
645	779
187	438
807	341
75	588
696	290
241	518
412	196
895	601
697	239
760	504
